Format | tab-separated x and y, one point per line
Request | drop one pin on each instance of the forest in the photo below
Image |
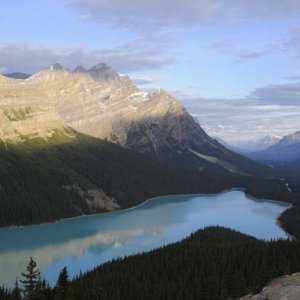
35	174
215	263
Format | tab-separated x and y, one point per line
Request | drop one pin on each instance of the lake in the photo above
85	242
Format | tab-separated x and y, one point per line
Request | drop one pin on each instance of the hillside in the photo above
71	174
215	263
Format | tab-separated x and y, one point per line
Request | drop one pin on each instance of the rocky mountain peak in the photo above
56	67
79	69
293	138
100	66
100	72
290	139
103	73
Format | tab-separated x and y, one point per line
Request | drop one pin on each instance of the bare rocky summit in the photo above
282	288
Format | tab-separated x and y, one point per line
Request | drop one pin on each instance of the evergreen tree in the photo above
16	293
62	285
31	280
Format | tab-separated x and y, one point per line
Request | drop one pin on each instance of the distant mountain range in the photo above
252	145
285	152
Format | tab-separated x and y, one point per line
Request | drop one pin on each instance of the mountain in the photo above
103	104
284	151
260	144
267	141
85	141
17	75
290	139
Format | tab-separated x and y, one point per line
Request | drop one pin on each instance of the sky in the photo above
234	64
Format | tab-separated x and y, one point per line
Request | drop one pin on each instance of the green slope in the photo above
34	175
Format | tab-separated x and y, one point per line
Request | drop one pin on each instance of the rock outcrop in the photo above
282	288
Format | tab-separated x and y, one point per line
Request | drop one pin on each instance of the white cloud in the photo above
146	81
269	110
3	70
281	94
137	55
148	15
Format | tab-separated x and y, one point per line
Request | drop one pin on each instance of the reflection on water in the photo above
83	243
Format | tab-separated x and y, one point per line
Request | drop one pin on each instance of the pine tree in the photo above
16	293
62	285
31	280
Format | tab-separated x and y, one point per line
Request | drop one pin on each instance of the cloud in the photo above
137	15
295	77
232	47
281	94
3	70
147	81
137	55
287	44
258	53
292	44
274	109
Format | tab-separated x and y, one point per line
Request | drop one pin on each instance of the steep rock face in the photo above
101	103
282	288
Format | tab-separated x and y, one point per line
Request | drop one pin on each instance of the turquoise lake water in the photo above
85	242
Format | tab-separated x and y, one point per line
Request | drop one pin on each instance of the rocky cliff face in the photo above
282	288
101	103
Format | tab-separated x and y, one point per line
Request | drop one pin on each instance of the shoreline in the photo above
289	205
118	210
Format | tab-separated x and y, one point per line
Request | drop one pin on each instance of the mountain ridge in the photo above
101	103
285	150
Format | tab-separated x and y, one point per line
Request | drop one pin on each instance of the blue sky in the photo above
235	64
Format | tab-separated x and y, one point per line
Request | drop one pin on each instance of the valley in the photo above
88	142
150	150
83	243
